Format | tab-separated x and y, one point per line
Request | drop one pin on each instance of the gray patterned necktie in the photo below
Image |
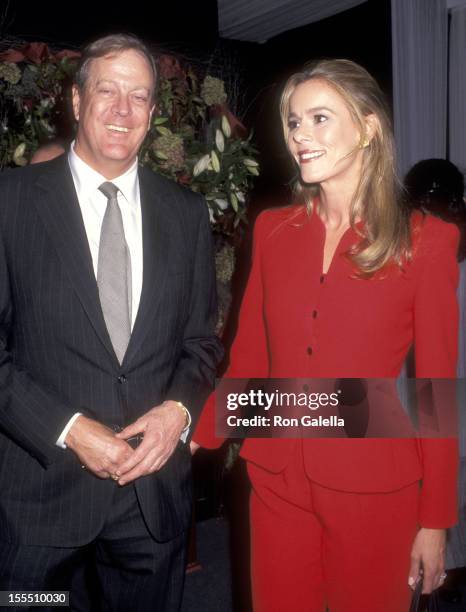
114	273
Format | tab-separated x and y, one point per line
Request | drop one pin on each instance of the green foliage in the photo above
192	140
29	97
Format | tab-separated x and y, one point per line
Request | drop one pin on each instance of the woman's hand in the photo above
193	446
428	559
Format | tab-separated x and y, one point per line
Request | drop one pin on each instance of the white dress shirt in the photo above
93	204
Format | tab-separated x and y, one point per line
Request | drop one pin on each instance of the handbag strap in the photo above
433	601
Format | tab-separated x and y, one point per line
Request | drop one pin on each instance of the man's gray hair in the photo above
108	45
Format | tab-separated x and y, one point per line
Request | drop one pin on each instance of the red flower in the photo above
184	179
238	130
169	67
35	52
67	53
11	55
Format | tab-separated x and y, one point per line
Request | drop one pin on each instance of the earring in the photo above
365	143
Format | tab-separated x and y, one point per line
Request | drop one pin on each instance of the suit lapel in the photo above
61	214
155	244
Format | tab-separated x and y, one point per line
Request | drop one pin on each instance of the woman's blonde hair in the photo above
377	199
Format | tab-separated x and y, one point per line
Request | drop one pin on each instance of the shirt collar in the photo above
87	180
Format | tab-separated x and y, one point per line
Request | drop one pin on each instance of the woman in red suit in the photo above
342	284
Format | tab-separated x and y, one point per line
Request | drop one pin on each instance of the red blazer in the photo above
296	322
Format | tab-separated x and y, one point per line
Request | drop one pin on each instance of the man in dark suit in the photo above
107	351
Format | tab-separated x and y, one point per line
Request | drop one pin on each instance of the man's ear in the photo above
76	99
153	110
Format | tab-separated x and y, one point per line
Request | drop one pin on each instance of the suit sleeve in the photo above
436	344
249	352
201	350
30	415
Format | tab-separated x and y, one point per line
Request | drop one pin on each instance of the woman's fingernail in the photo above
411	581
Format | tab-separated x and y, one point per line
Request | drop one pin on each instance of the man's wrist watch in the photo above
187	416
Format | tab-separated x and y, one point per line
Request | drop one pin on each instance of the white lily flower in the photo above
19	151
250	163
215	161
219	141
226	129
201	165
211	215
221	203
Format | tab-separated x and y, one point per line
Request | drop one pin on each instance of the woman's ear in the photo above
371	125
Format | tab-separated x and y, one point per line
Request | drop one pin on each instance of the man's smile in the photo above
116	128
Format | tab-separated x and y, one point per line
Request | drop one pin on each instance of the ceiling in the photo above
259	20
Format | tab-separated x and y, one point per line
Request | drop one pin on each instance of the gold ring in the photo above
114	477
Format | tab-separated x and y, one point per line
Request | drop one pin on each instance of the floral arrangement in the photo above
197	141
194	138
31	94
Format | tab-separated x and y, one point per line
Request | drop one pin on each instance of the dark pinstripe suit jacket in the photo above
56	357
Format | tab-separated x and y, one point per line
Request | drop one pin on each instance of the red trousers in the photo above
313	547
